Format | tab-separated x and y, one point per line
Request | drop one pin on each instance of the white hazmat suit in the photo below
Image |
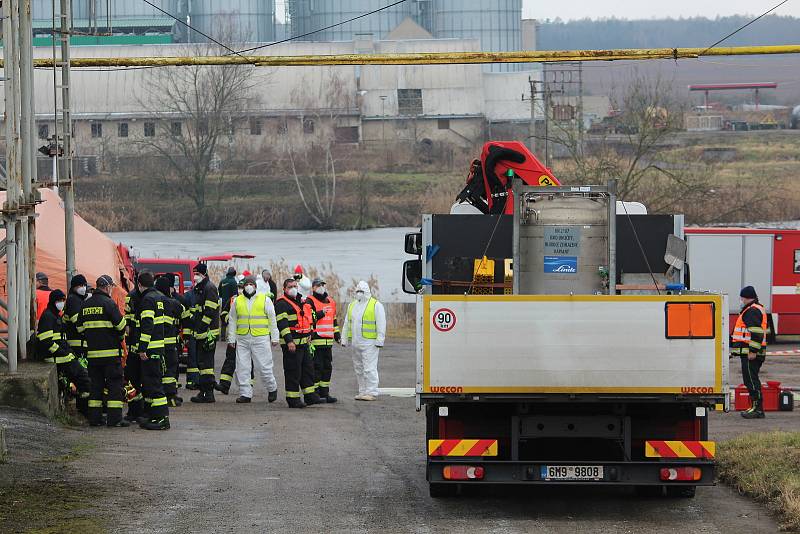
365	351
254	348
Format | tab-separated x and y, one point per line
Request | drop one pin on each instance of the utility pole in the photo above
532	124
66	176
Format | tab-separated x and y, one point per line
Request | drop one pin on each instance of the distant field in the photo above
767	161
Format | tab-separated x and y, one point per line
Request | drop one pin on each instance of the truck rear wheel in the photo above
681	492
439	490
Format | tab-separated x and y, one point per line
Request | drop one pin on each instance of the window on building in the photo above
175	129
122	129
149	129
444	124
409	102
44	131
255	126
308	126
283	127
346	134
97	129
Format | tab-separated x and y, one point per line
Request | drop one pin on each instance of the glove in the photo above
311	350
337	337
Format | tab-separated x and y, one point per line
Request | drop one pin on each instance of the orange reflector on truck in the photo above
680	449
462	447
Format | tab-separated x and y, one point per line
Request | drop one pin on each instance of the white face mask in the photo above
291	292
249	290
198	278
81	290
60	305
360	296
320	291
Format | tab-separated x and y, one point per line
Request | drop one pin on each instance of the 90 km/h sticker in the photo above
444	319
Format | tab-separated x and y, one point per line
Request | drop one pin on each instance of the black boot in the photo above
313	398
295	403
134	411
174	402
272	396
243	400
223	387
82	405
161	423
122	423
204	397
330	400
756	412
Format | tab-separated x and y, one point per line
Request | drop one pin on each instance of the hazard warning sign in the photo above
444	319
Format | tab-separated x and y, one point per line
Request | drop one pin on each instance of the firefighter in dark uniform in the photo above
103	327
326	331
187	333
206	330
75	300
52	346
150	351
229	365
133	366
749	342
295	323
172	325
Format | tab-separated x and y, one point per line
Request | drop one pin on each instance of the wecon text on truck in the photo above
555	341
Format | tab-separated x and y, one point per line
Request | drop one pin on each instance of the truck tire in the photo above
440	491
681	492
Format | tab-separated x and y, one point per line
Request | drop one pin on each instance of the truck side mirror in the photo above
414	243
412	276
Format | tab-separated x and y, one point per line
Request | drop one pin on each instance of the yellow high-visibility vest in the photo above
369	325
253	321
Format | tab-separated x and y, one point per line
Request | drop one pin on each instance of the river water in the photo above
352	254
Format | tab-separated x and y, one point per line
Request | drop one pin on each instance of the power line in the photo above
761	16
240	52
170	15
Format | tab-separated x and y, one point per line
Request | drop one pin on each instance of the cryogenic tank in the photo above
495	23
249	20
563	245
323	13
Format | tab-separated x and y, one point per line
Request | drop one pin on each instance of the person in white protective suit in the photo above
365	329
251	328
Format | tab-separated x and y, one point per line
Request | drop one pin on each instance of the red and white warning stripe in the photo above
783	352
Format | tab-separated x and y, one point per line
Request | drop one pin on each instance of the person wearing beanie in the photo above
103	328
227	289
749	342
150	351
206	330
75	300
252	327
173	311
52	346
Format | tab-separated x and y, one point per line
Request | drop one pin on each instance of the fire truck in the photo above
183	267
726	259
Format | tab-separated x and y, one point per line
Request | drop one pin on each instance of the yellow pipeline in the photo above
429	58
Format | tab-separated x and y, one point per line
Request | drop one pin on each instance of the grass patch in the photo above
49	507
766	466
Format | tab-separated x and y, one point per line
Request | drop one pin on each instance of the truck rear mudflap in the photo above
679	473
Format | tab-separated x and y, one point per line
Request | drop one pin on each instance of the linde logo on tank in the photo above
561	264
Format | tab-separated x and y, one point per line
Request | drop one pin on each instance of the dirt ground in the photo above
348	467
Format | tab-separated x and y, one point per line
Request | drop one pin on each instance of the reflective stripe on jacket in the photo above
743	340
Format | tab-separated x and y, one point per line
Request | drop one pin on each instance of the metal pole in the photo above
532	125
28	132
66	174
11	207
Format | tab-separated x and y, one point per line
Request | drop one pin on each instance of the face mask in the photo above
292	292
81	290
197	278
360	295
319	291
249	290
60	305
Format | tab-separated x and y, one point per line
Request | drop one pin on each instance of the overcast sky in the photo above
640	9
637	9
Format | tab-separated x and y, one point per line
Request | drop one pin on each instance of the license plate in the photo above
572	472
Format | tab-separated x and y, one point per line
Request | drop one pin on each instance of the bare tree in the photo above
197	109
638	146
313	166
